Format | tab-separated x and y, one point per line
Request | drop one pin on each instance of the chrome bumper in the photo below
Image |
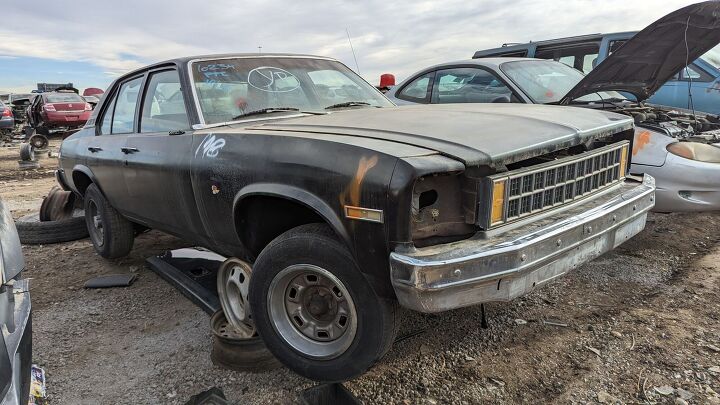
510	264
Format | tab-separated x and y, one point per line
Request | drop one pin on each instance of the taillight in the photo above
49	107
88	107
7	113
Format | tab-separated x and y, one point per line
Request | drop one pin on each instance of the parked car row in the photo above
343	206
673	145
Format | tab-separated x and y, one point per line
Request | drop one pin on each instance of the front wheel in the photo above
111	234
315	310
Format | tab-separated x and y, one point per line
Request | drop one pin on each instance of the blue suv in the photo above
702	77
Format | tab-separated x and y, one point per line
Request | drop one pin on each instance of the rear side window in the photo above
123	121
418	90
106	123
581	56
163	104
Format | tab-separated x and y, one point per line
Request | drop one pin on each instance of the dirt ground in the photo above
638	325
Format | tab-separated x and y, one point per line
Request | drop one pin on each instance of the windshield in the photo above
14	97
547	81
229	88
64	98
712	57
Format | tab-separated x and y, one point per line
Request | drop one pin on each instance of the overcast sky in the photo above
90	42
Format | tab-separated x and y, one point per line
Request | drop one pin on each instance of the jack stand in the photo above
483	321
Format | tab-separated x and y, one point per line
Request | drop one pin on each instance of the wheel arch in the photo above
307	204
82	177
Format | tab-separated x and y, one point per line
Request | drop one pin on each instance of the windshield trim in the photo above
196	99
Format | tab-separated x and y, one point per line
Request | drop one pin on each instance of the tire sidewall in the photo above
327	253
94	196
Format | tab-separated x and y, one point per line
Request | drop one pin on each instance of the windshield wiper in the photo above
347	104
264	111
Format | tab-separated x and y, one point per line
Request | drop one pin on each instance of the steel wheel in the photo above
96	230
232	283
312	311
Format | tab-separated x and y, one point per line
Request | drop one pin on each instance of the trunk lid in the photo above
655	54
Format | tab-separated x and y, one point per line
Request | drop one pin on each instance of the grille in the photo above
535	189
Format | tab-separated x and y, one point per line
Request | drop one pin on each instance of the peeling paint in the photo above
642	139
352	191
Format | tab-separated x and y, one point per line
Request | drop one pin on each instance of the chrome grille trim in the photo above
540	188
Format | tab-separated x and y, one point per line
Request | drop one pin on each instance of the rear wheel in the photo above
315	310
111	234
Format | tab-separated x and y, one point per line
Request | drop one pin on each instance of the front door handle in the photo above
94	149
129	150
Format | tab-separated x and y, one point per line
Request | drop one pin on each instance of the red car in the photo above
58	111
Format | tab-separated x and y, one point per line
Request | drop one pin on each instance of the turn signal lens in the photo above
623	161
49	107
498	202
363	214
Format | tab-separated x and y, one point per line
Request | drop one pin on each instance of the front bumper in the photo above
508	265
16	343
684	185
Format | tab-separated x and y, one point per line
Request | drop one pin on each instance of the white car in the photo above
675	146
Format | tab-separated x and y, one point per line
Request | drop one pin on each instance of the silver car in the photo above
15	317
677	147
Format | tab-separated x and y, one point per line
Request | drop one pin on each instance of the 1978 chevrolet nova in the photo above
345	204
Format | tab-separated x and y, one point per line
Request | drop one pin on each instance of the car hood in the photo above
11	257
655	54
475	134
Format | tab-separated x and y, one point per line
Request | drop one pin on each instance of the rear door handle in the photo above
129	150
94	149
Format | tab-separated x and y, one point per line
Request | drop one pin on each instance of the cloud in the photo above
398	37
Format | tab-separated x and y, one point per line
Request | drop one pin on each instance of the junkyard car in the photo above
7	119
672	145
58	111
344	203
15	317
701	79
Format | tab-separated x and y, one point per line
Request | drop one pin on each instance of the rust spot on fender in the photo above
351	194
641	140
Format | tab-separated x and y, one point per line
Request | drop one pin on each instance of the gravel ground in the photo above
638	325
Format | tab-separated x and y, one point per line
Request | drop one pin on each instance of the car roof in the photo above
514	46
186	59
493	63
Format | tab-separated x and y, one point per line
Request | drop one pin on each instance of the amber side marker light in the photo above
498	202
364	214
623	161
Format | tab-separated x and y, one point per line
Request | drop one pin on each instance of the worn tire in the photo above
27	152
316	245
239	354
116	237
32	231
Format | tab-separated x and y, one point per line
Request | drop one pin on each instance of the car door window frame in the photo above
143	94
705	77
428	94
514	97
113	98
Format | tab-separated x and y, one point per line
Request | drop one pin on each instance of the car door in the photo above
157	172
105	156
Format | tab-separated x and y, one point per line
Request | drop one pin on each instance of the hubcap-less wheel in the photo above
312	311
232	283
97	232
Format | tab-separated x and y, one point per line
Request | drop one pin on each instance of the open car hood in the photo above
655	54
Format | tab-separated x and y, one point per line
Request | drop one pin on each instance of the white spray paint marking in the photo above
210	146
